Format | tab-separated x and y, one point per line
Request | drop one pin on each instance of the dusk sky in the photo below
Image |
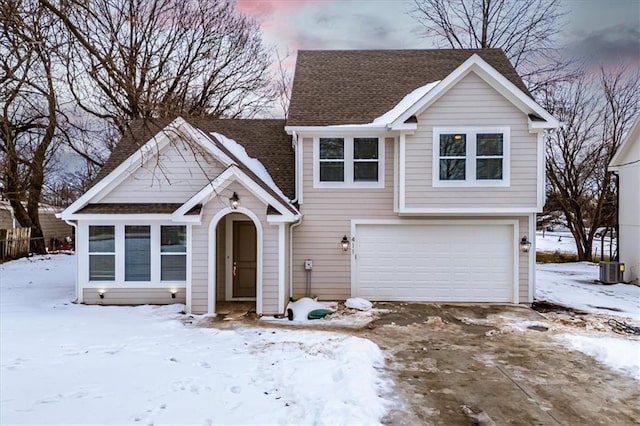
598	31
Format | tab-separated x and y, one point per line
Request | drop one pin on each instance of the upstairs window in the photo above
471	157
365	159
331	159
348	162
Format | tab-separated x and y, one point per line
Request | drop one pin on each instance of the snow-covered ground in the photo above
574	285
62	363
562	241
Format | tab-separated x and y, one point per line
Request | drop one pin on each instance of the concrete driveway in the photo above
460	365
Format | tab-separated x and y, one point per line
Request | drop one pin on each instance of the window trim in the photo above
102	253
349	163
471	157
173	253
119	282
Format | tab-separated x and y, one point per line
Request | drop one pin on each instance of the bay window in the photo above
102	253
137	255
173	253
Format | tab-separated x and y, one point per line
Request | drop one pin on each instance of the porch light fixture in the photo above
345	243
525	245
234	201
101	294
173	293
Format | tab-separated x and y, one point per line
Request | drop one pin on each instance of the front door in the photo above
244	259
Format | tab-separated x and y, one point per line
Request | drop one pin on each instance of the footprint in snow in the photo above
235	389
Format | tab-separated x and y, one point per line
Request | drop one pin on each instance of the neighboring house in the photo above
399	175
52	227
626	163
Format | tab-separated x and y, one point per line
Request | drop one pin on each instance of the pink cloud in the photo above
262	8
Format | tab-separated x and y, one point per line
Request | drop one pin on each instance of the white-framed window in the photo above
137	254
343	162
173	253
468	156
102	253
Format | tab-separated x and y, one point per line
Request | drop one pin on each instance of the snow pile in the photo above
300	308
358	303
619	354
254	164
74	364
407	102
574	285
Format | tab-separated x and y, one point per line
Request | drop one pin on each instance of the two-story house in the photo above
398	175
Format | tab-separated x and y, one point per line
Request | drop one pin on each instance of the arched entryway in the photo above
235	261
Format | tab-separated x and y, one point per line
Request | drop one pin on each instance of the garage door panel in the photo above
435	263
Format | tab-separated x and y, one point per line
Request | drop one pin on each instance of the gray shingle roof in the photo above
135	208
356	86
265	140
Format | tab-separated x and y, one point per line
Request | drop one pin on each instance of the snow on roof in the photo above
252	163
405	103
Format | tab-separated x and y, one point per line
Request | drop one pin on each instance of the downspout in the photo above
294	145
295	224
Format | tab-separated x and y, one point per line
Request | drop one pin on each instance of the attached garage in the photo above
435	261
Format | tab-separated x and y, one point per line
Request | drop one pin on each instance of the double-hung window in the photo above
137	253
102	253
173	253
348	162
471	157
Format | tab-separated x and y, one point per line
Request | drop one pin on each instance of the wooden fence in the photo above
14	243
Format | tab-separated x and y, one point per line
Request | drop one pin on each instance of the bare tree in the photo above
156	58
524	30
595	117
30	120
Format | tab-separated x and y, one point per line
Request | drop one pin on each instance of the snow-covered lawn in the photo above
562	241
573	285
62	363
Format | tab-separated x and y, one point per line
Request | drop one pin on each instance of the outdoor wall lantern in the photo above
234	201
173	293
101	294
345	243
525	245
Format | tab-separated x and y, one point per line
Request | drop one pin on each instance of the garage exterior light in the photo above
525	245
345	243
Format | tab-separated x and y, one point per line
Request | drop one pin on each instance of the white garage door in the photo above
445	263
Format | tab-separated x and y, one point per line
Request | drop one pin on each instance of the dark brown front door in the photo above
244	259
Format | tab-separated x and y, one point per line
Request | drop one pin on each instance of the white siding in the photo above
629	237
133	296
174	176
472	102
201	251
327	217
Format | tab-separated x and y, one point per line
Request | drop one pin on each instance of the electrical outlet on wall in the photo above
308	264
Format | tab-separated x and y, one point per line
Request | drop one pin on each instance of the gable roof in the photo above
264	140
334	87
